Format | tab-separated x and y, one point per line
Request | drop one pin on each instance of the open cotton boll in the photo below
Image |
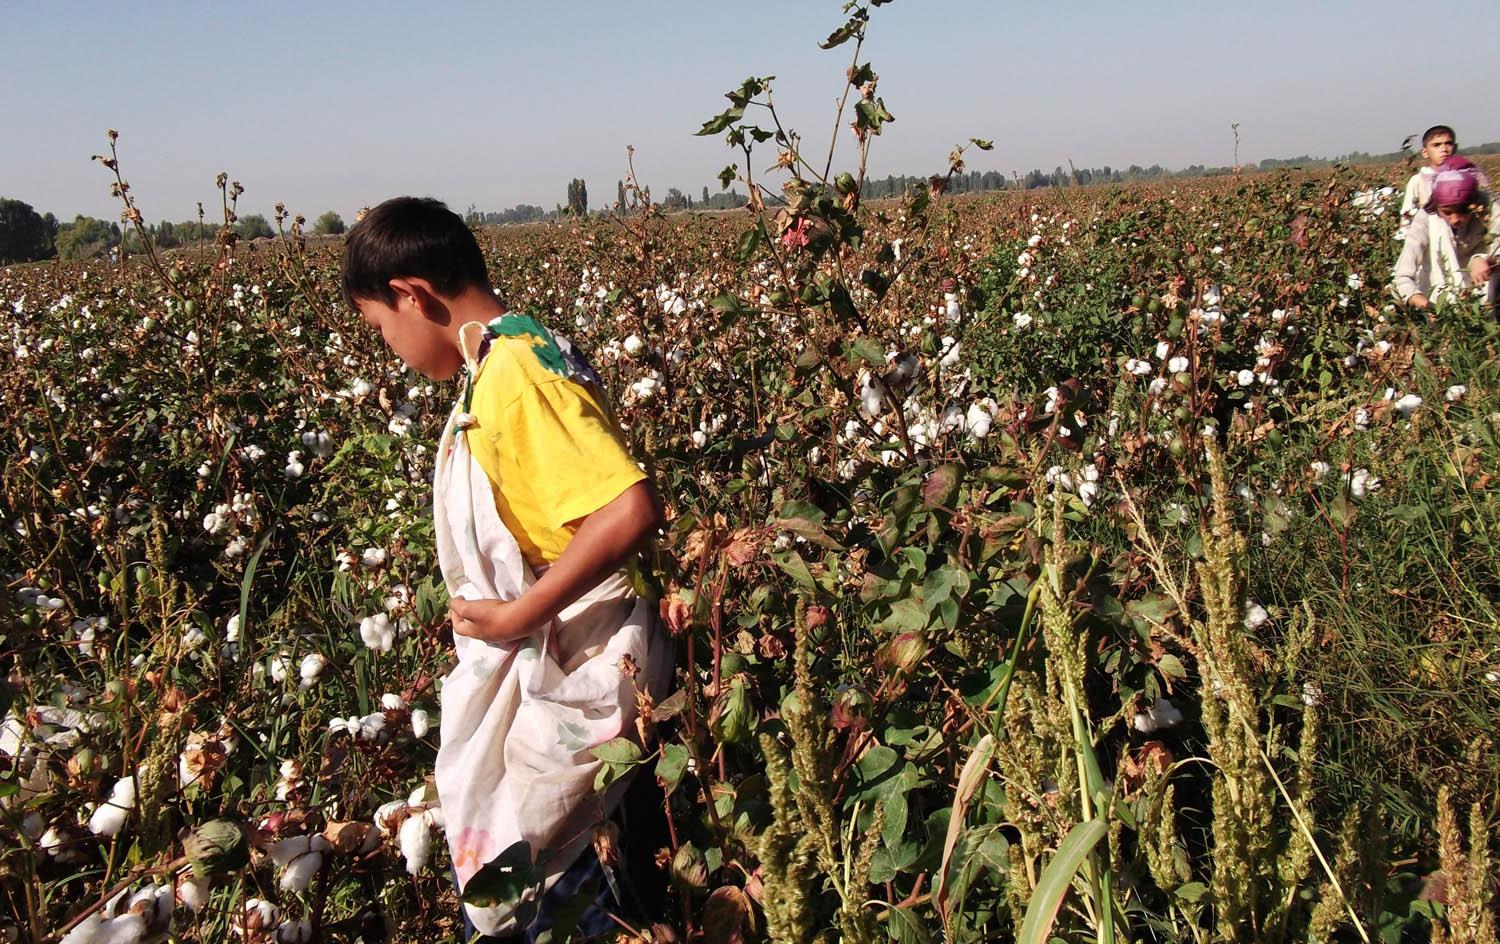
125	929
312	666
416	842
377	632
385	815
392	702
109	817
299	873
154	903
192	893
420	723
86	932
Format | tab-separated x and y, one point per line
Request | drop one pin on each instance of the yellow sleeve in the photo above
566	452
552	453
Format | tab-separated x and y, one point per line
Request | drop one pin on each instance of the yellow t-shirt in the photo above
553	453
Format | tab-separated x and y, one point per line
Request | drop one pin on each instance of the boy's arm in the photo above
605	540
1408	265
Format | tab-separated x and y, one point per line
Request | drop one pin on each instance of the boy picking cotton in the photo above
538	509
1453	242
1438	144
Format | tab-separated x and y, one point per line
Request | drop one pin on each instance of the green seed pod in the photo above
219	845
735	721
844	183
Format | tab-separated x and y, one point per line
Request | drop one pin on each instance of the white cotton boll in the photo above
1138	367
1245	377
125	929
1456	393
154	903
1363	482
1165	714
420	723
1407	405
110	816
192	893
311	667
1021	320
436	818
361	387
372	724
1255	616
377	633
258	914
52	843
699	438
299	873
86	931
950	353
634	345
1319	469
214	522
1088	492
392	702
951	310
294	932
285	851
978	420
416	843
294	467
1162	350
372	557
385	816
1177	364
278	667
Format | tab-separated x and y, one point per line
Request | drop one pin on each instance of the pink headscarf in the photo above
1457	183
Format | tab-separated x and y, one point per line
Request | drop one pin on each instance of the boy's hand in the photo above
1418	301
1480	269
488	620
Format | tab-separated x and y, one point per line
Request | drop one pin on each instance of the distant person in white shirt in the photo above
1438	144
1453	242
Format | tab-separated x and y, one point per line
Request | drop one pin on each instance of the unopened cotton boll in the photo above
416	843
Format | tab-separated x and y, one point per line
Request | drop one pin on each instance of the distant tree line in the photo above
27	236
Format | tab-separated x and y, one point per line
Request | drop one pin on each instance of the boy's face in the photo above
1439	148
1454	216
420	341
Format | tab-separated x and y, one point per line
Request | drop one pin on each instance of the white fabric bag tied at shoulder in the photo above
519	718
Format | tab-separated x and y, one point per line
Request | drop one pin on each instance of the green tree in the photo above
254	226
25	236
578	197
620	193
86	237
329	224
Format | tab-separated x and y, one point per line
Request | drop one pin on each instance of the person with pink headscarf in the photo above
1453	243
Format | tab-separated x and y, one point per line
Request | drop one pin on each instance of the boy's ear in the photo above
419	294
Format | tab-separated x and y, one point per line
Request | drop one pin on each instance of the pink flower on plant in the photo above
796	234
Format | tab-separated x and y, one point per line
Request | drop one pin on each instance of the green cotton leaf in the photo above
982	144
727	176
872	770
848	31
620	750
908	615
748	244
872	115
728	304
795	567
810	531
906	927
841	304
861	74
502	880
1192	891
1154	607
868	350
1171	666
671	767
721	121
673	706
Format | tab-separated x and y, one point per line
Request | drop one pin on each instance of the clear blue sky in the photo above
339	105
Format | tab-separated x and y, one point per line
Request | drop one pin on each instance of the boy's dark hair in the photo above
411	237
1436	130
